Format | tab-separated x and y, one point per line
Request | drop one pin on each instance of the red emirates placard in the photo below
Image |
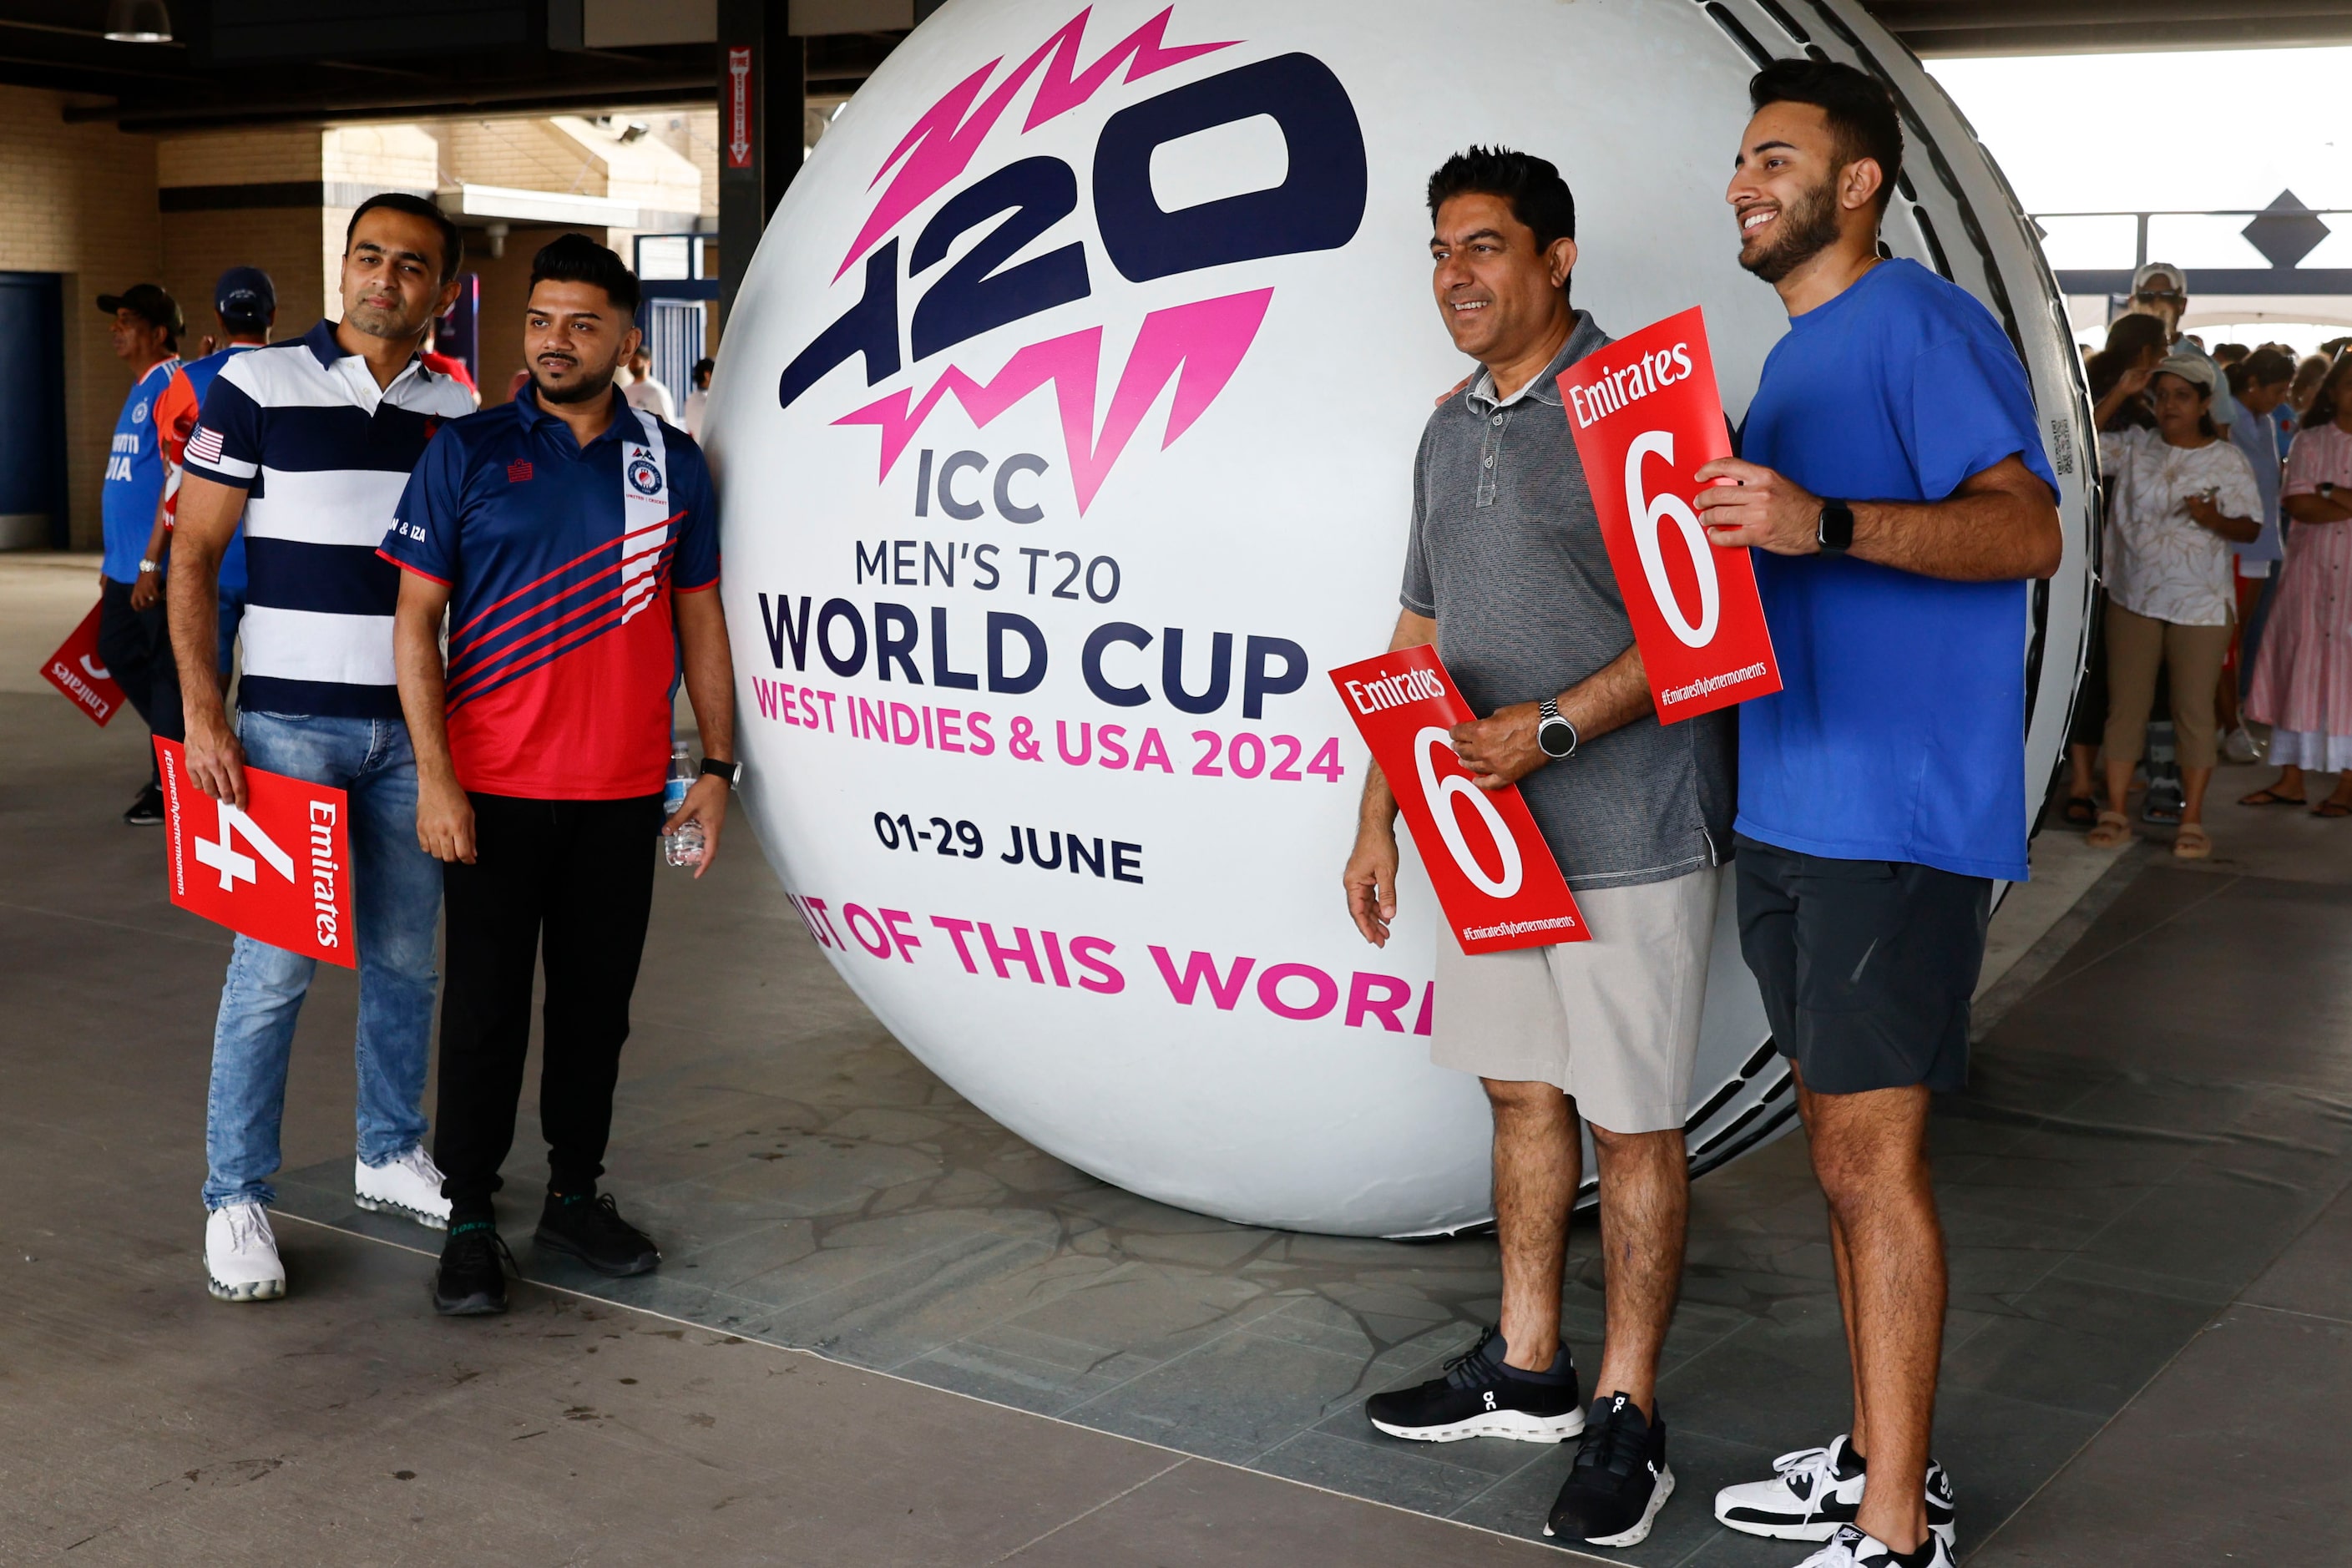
76	670
1495	876
1647	417
279	871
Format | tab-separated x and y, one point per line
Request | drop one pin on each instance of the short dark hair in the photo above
2264	367
1860	110
2134	334
453	244
1539	198
576	258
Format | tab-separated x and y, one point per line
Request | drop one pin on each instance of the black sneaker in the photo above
472	1279
147	811
591	1230
1479	1397
1620	1479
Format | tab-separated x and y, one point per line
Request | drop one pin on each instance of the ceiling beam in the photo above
1944	27
534	99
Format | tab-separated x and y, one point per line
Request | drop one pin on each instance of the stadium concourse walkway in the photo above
888	1331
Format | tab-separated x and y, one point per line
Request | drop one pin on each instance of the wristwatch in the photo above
1555	734
731	771
1834	533
147	566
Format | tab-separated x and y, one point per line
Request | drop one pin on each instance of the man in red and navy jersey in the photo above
572	543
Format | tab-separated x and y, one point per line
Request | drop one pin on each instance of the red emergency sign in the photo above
1495	878
739	108
1646	416
279	871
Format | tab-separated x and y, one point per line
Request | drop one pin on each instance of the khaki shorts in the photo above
1613	1022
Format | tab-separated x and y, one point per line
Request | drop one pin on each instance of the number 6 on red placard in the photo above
1440	795
1649	521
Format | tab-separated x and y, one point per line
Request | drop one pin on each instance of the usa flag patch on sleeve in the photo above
204	446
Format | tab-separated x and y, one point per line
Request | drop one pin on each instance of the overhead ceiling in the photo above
253	62
246	62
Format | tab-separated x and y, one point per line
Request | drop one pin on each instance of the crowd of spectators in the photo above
2222	571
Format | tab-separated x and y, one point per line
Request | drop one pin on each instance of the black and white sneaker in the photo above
147	811
1620	1479
1478	1396
1850	1548
1813	1491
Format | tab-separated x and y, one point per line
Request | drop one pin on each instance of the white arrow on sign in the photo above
738	117
223	856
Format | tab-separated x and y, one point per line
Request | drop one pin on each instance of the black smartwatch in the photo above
1555	734
1834	532
731	771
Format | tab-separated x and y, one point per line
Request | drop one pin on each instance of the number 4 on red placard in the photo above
223	856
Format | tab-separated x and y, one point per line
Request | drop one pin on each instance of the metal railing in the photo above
2141	218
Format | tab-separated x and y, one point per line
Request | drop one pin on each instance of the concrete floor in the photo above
2150	1343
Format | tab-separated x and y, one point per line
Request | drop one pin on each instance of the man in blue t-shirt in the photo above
132	638
1893	483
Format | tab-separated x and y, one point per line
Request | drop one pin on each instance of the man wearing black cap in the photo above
247	304
131	635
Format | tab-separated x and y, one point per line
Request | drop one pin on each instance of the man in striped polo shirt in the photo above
313	441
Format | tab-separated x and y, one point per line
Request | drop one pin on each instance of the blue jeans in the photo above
397	895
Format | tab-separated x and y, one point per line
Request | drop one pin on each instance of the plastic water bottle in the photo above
683	846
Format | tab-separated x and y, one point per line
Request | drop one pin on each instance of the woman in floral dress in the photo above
2303	676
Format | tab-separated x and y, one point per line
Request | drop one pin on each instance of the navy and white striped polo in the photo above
323	454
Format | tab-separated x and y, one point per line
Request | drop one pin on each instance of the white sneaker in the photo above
406	1184
1807	1500
241	1255
1850	1548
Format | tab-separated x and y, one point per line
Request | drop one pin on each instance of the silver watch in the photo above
1555	734
147	566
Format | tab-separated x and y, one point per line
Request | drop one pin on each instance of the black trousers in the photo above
581	874
136	647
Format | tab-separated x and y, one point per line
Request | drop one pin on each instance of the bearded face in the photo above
1805	227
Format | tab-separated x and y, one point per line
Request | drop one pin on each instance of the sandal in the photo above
2332	807
2112	831
2272	797
2081	811
2192	843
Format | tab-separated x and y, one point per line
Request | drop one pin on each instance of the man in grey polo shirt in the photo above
1506	574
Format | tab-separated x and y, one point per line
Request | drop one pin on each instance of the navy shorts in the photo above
1866	966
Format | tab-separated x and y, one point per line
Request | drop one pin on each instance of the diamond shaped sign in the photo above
2286	231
